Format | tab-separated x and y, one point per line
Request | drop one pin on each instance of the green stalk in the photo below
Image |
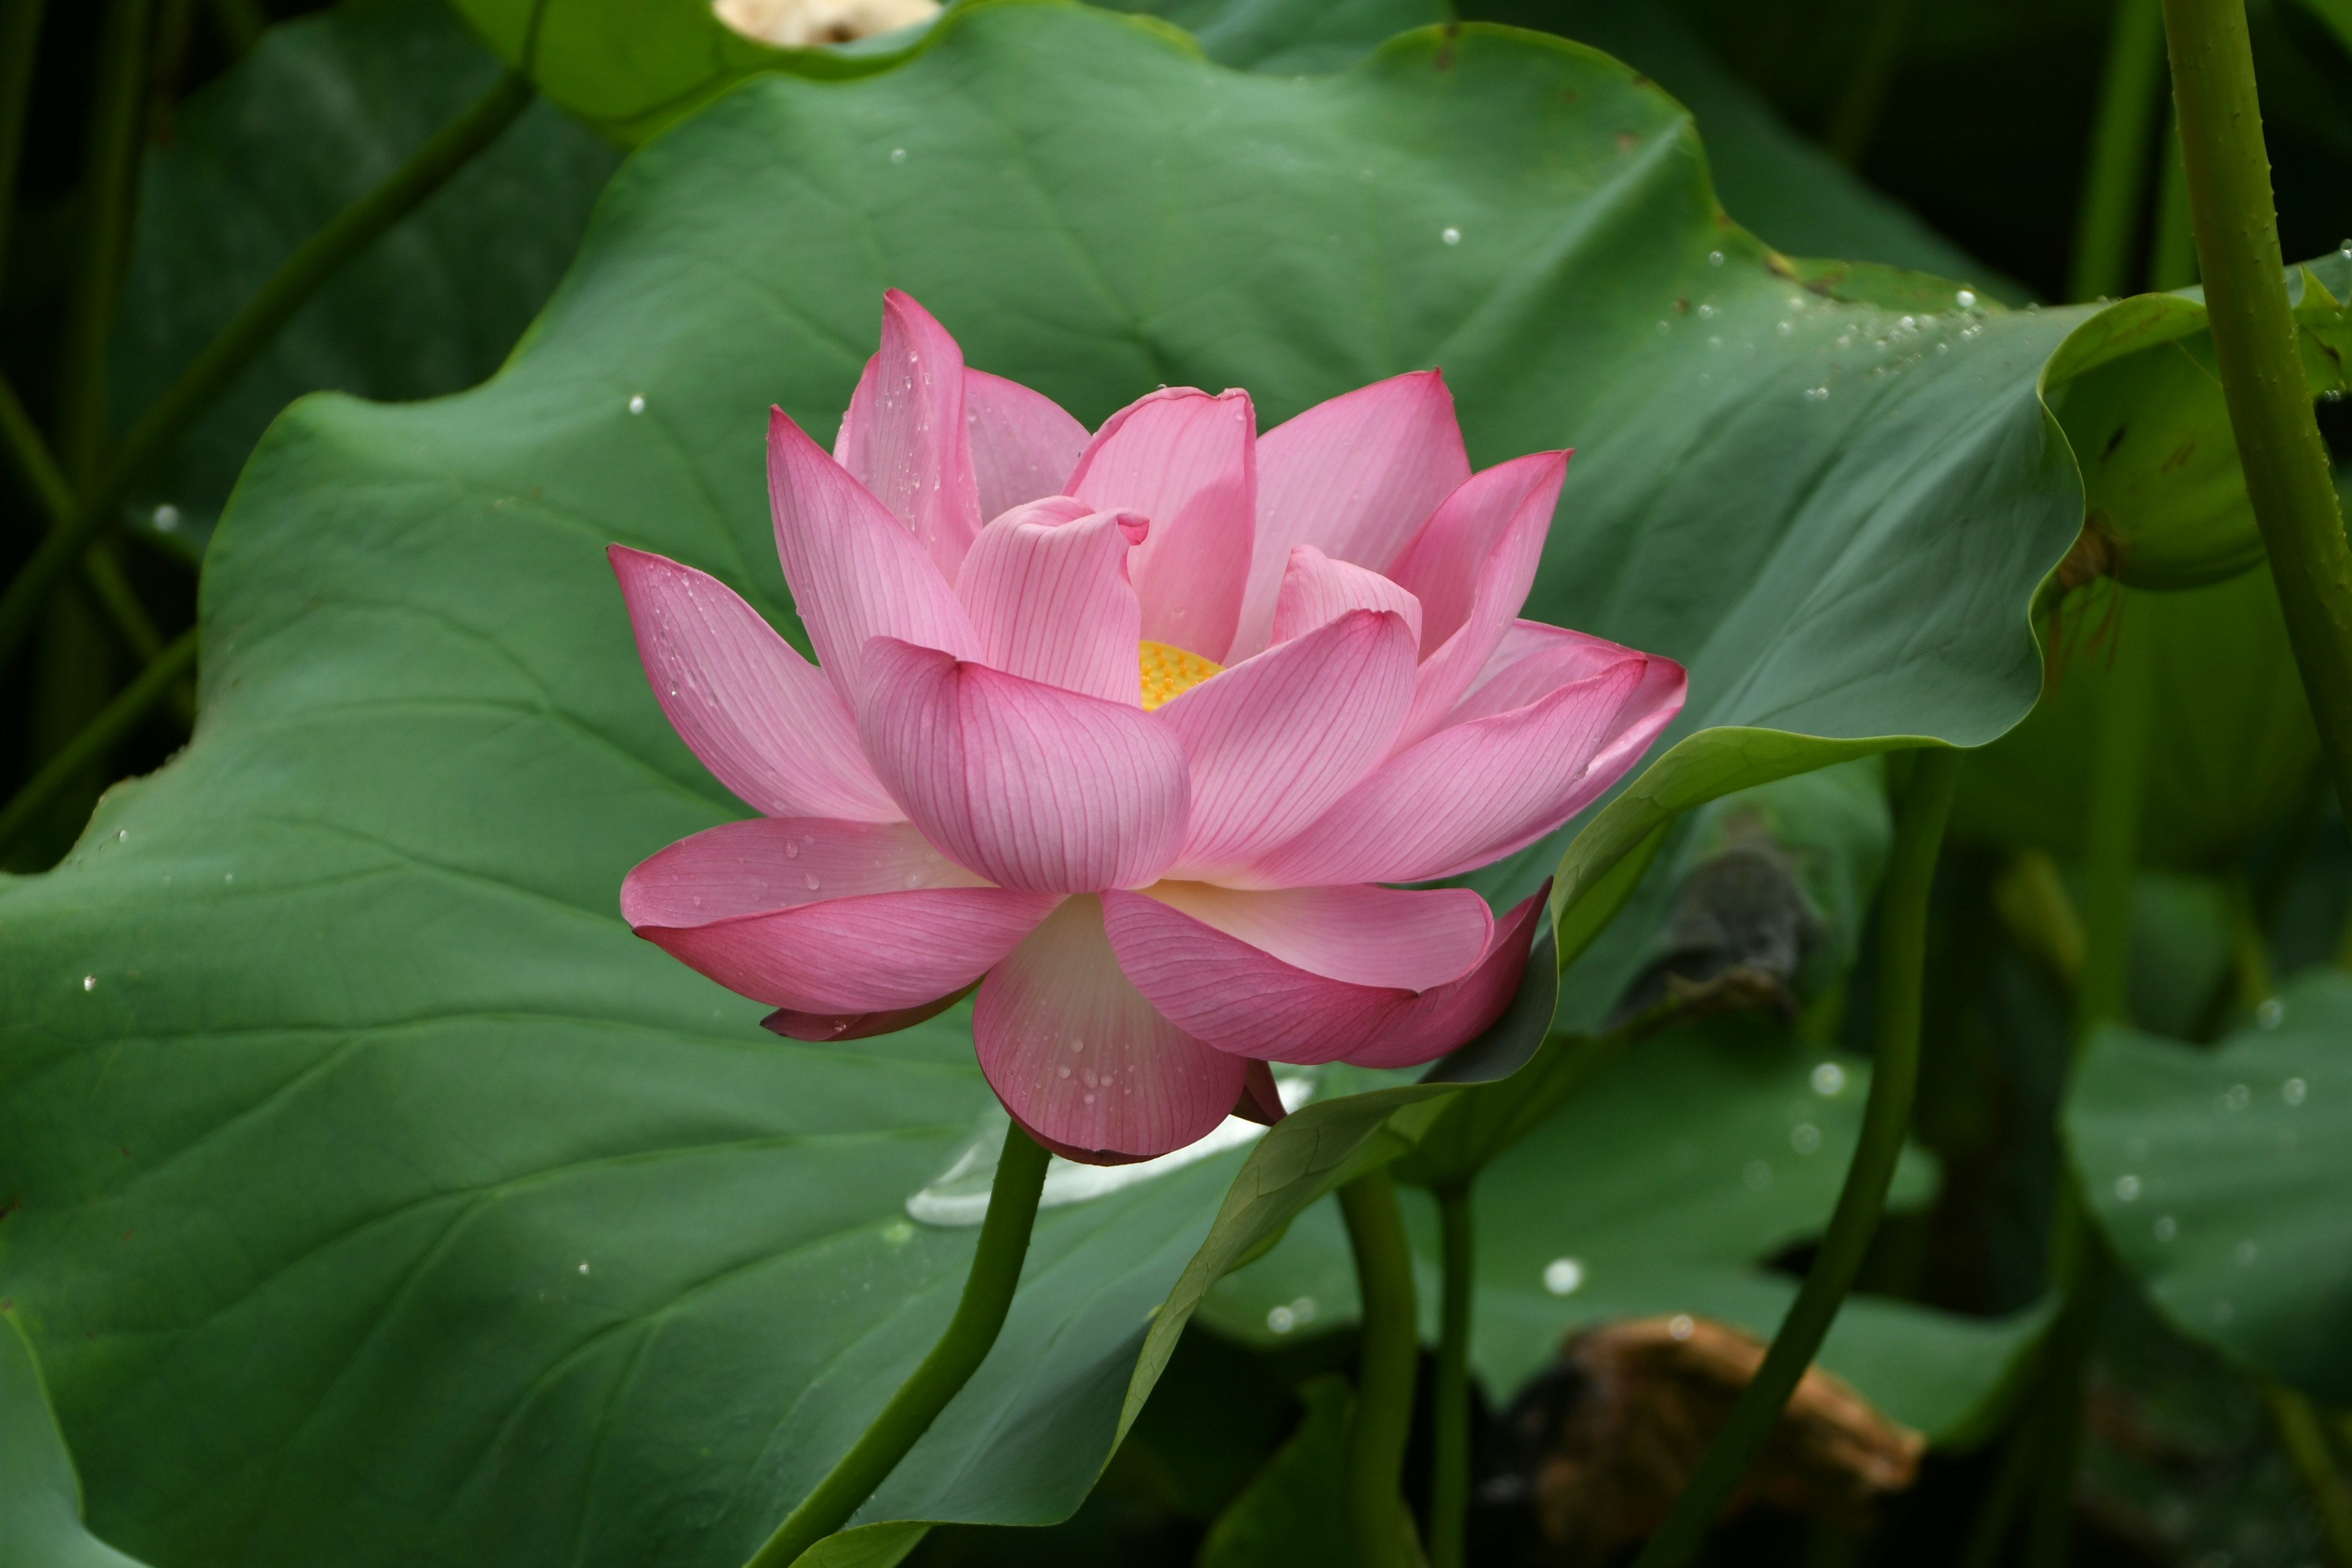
2115	180
20	43
2172	249
1894	1075
1449	1480
118	110
2255	341
113	721
348	233
2305	1442
1391	1346
30	454
987	1298
1866	88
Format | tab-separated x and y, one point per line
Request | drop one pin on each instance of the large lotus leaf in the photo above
2219	1177
40	1505
2232	749
1291	38
330	1064
1663	1188
321	111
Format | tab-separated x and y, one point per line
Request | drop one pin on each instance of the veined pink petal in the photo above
1083	1061
1317	589
1467	795
854	571
1189	462
1533	660
1355	477
1452	1016
1303	974
832	918
1656	698
1480	556
1022	444
1047	590
759	716
1272	743
1029	785
904	438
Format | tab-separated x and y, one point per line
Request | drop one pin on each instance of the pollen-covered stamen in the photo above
1170	671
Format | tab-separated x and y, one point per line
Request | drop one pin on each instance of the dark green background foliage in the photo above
367	1195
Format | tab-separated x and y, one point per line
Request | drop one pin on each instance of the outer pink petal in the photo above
1656	698
1022	444
797	1026
1317	589
1272	743
761	717
1467	795
903	437
1307	974
1533	660
855	572
1478	556
1082	1061
833	918
1046	587
1452	1016
1189	462
1355	477
1029	785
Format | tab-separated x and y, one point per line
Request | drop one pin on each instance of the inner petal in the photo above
1170	671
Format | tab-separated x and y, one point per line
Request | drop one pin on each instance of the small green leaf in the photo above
866	1546
2219	1176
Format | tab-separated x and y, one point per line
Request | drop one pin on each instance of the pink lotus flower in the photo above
1129	729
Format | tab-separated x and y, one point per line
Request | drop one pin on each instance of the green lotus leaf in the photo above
40	1508
2217	1177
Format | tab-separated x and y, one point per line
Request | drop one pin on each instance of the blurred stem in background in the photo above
1449	1477
1390	1348
2172	246
116	720
1926	800
1858	106
2115	175
2305	1441
2288	475
20	37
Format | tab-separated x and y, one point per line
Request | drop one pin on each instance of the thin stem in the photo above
987	1298
241	24
2305	1442
113	721
2172	248
1866	88
30	454
2255	340
292	287
1894	1075
121	602
2115	180
1391	1345
2111	837
118	111
20	43
1449	1480
2055	1433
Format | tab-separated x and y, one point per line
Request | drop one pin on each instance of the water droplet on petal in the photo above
810	878
792	849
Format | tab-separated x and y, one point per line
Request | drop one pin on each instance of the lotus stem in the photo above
978	1317
1858	108
2172	251
2115	180
1894	1075
2255	340
1391	1347
292	287
1449	1478
113	721
2305	1441
117	110
20	41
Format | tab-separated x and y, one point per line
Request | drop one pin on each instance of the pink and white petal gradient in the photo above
967	790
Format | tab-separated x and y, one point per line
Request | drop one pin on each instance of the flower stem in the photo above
2254	343
2115	183
116	720
1449	1479
1894	1075
288	291
2305	1442
987	1298
1391	1345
